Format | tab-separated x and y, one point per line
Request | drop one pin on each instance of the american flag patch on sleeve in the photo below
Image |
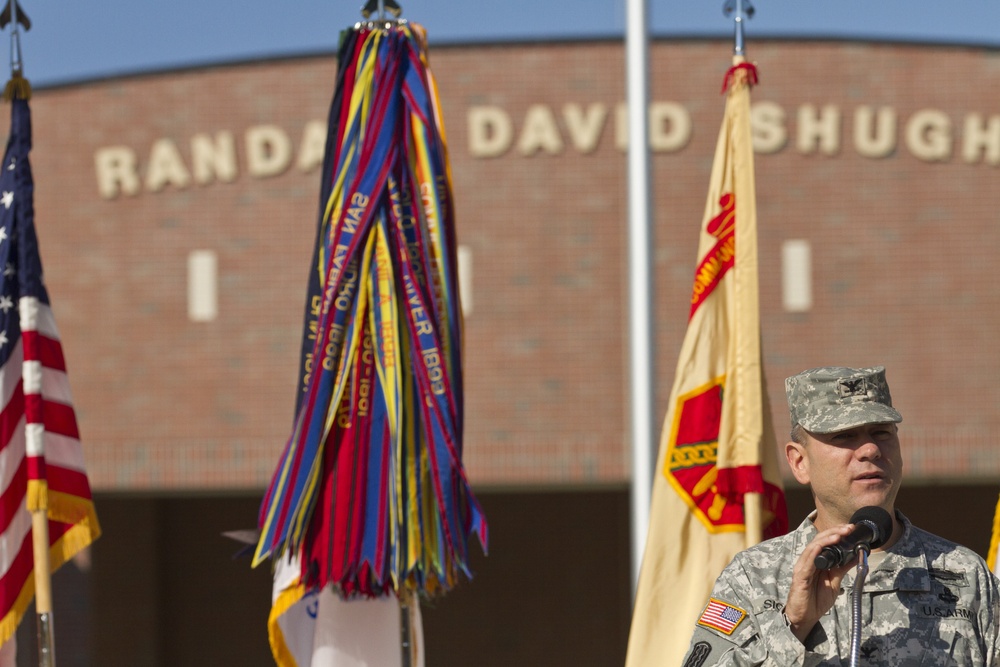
721	616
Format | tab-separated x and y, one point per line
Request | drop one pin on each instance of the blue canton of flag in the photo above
732	615
18	243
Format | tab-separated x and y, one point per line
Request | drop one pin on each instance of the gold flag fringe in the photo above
17	88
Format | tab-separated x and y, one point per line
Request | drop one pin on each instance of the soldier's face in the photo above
850	469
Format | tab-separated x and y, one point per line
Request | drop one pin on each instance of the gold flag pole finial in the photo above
18	87
741	9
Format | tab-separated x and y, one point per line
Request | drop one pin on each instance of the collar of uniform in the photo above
904	567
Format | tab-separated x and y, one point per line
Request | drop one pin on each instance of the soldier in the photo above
926	601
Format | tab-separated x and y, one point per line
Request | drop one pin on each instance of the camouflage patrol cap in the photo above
829	399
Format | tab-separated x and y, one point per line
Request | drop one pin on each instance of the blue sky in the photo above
74	40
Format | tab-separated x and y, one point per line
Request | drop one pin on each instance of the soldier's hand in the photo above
814	591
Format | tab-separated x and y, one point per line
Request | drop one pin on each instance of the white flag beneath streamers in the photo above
320	629
8	653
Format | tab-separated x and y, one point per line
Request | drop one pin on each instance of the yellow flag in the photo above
717	486
991	557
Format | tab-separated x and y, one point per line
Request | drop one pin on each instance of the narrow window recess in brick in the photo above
465	278
203	302
796	276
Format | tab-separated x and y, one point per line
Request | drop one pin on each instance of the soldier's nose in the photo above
869	451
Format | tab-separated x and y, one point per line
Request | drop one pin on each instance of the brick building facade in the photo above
876	168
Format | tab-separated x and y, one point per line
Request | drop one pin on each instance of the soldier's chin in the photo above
871	484
875	492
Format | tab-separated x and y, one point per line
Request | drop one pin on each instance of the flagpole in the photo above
406	599
43	587
752	502
641	355
738	50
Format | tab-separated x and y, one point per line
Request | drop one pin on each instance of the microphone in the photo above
872	527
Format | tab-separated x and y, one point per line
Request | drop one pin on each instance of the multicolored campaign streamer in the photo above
370	490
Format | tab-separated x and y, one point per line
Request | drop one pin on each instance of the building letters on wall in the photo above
268	151
929	135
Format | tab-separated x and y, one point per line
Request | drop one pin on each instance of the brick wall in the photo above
903	266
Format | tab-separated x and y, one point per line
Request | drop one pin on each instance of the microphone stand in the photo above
859	583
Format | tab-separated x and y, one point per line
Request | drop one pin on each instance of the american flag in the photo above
721	616
41	459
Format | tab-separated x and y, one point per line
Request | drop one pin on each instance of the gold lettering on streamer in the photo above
432	361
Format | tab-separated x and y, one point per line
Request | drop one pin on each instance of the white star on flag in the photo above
3	338
6	303
7	199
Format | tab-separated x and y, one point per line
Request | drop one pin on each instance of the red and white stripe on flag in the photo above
41	461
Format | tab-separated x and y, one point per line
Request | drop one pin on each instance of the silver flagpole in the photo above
741	10
640	301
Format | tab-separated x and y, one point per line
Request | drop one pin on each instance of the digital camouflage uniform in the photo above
930	602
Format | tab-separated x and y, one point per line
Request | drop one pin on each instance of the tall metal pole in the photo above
641	356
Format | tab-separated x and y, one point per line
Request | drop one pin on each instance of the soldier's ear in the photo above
795	454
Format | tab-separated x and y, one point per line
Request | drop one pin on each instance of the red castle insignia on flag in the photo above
692	455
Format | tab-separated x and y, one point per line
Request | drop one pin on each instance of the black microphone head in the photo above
879	519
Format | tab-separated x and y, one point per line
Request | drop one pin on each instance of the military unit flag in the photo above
717	486
991	556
